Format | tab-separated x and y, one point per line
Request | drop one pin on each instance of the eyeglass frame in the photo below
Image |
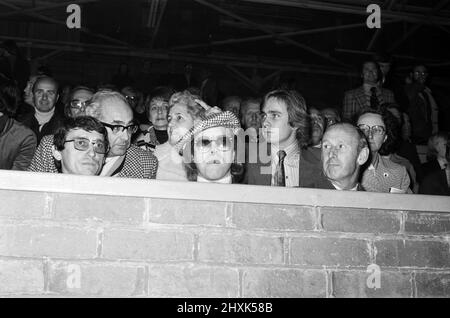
95	145
207	148
127	128
83	104
371	131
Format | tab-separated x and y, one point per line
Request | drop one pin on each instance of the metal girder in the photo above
46	7
388	5
398	56
158	23
54	21
273	34
413	30
235	60
358	10
242	78
265	37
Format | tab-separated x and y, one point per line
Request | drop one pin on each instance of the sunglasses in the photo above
82	144
375	130
223	143
131	129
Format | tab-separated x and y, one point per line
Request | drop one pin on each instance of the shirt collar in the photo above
291	149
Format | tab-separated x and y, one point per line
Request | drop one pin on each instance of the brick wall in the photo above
94	236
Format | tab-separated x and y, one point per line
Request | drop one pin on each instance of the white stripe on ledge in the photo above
60	183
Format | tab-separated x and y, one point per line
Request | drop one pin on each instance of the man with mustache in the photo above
344	151
44	118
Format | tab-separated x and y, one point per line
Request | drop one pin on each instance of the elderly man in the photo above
369	95
285	131
344	151
44	118
79	146
437	180
123	159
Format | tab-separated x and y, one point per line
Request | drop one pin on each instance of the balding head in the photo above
344	150
112	109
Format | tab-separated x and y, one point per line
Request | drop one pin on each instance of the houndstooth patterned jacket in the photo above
138	162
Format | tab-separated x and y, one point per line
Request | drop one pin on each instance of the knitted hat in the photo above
223	119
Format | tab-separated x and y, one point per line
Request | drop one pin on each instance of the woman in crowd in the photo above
382	175
210	155
156	107
183	113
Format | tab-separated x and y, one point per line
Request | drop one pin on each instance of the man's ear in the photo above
56	154
363	156
385	138
57	98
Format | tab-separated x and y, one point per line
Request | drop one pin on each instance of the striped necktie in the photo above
279	173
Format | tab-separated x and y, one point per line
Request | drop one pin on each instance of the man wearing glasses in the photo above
123	159
78	99
80	146
423	110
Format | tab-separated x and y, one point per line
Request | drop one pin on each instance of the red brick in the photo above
360	221
21	276
155	245
193	281
22	204
412	253
187	212
52	241
268	283
273	217
353	284
433	284
107	208
426	223
96	279
329	251
240	248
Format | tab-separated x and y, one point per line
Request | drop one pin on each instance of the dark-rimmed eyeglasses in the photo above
375	130
131	129
223	143
82	144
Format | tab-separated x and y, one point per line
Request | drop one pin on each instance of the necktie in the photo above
374	103
447	174
279	173
427	109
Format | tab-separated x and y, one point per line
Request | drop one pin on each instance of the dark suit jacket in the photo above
49	128
417	111
430	166
310	165
435	183
355	102
319	181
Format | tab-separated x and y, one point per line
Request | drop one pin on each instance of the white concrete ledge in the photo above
59	183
